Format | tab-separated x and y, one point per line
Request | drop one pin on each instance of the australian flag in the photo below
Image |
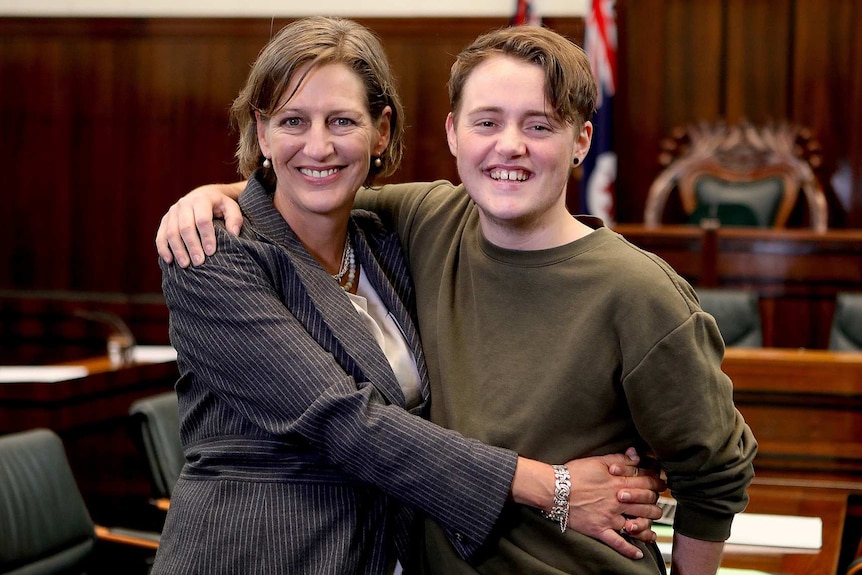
524	14
600	165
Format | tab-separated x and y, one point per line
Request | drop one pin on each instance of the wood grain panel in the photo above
113	119
758	60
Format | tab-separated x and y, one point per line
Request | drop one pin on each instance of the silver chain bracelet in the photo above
562	488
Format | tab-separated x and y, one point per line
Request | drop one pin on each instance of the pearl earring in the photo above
378	163
266	163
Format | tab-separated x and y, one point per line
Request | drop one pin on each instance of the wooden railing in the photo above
796	272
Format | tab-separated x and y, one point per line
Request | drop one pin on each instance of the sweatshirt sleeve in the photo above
682	405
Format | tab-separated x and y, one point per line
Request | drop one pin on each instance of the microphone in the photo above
121	342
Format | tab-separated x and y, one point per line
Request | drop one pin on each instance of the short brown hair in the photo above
570	86
317	40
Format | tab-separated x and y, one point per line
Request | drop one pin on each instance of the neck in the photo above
556	229
322	235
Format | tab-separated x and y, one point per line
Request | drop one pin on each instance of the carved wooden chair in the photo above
739	175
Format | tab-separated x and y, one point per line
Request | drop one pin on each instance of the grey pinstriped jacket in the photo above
300	454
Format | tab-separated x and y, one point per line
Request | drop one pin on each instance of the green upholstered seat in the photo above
846	331
738	203
737	313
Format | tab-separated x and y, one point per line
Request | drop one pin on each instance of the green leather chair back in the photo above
737	313
738	203
846	332
158	422
45	527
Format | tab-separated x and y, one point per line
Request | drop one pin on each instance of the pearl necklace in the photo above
348	266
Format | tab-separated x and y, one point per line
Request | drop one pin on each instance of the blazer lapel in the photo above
318	302
397	299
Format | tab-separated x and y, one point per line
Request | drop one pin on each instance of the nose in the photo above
511	143
318	141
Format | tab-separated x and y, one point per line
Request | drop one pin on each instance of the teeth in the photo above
514	175
317	173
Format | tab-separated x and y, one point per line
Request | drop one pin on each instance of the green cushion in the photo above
737	313
846	331
44	523
738	203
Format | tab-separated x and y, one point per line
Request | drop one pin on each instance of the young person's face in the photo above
514	157
321	141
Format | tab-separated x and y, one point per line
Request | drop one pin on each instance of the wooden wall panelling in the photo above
758	47
820	90
694	70
112	119
854	120
638	124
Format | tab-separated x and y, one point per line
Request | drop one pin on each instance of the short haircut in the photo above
570	87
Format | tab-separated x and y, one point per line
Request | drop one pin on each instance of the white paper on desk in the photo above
40	373
153	354
777	531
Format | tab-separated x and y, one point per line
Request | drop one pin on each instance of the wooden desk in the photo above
828	504
805	408
796	272
91	415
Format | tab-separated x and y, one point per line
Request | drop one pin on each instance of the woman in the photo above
299	356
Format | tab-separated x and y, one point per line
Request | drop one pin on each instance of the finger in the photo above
620	465
189	218
232	215
646	480
173	232
646	510
616	542
630	496
641	529
205	235
162	242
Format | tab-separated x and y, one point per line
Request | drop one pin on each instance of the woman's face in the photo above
320	143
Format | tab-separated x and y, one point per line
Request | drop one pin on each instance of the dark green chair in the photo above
157	421
45	527
846	331
737	313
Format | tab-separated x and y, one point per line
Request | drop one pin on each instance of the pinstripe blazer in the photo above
300	455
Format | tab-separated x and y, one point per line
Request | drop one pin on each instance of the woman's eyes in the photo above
296	122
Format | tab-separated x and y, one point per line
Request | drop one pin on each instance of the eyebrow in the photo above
499	110
340	111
